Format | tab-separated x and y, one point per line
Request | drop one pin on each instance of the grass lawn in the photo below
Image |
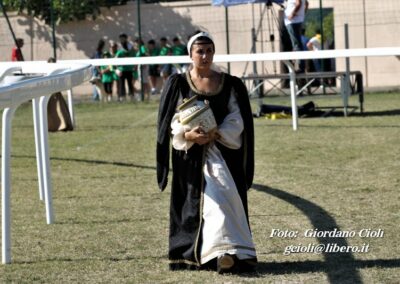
112	222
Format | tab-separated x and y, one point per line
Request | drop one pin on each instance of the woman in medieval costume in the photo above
212	171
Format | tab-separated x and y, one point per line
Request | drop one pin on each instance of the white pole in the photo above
6	185
36	127
71	106
346	93
46	159
293	93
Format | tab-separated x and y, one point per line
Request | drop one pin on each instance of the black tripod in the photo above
272	20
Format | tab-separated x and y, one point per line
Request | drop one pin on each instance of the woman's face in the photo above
202	55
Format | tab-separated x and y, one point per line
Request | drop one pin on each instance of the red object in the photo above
16	54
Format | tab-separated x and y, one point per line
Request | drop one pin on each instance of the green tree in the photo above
329	27
313	24
64	10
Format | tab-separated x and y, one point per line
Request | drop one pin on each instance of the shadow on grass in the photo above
103	162
98	162
101	222
325	112
378	113
89	259
308	266
339	267
335	113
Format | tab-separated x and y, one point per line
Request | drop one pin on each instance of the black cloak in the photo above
188	180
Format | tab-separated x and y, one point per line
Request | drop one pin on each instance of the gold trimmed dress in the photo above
208	213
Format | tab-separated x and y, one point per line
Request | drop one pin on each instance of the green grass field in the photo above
112	222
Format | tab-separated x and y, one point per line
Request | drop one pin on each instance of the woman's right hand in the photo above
198	136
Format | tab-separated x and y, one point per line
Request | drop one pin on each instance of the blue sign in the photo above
238	2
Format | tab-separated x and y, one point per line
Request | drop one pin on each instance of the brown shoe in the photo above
225	263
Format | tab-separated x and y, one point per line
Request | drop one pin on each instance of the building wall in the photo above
376	28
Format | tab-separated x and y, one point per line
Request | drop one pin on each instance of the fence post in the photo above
293	93
346	81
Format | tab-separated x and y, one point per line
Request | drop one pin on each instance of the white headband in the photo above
196	36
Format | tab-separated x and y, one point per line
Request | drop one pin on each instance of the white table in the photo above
41	79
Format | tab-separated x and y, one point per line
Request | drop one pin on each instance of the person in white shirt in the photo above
294	17
315	44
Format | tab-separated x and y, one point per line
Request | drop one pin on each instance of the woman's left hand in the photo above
214	134
198	136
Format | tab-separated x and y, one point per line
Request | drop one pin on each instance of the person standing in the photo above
16	53
165	50
212	171
294	17
303	66
154	71
143	70
107	77
315	44
178	49
98	88
124	72
113	48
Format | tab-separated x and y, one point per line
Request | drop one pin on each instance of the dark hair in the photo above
203	40
100	45
176	39
163	39
123	35
152	41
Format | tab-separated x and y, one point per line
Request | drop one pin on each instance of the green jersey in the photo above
179	50
143	51
165	50
155	52
121	53
107	77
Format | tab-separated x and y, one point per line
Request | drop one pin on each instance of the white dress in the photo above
225	228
